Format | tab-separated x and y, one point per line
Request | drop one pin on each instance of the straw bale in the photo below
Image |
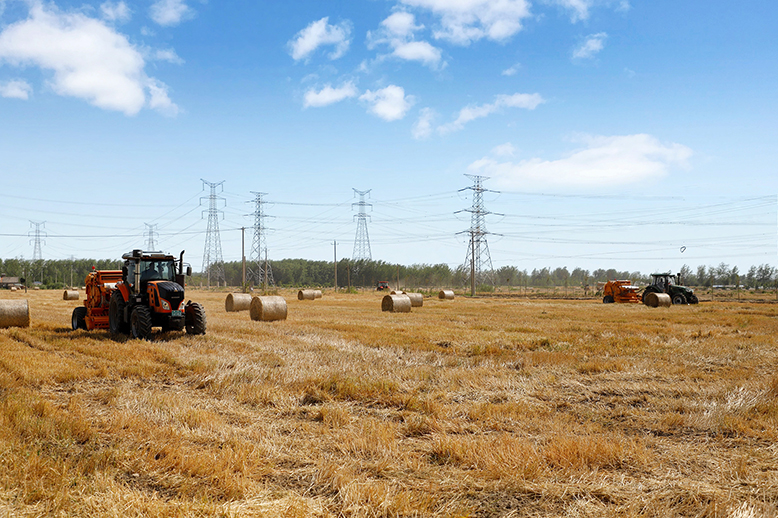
306	295
446	295
14	313
397	292
70	295
268	308
317	294
13	288
657	300
237	302
396	304
417	299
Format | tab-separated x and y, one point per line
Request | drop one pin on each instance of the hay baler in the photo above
620	291
94	313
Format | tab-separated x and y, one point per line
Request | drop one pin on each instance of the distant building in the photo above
8	282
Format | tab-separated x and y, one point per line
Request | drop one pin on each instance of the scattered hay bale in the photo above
266	309
446	295
317	294
417	299
396	303
658	300
14	313
237	302
14	288
306	294
70	295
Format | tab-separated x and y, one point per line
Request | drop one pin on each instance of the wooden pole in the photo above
243	255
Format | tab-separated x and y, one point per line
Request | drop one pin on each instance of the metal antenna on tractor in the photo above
260	271
213	264
362	240
478	257
151	231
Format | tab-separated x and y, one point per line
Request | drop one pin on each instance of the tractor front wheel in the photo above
140	322
608	299
195	319
116	323
78	320
693	299
679	299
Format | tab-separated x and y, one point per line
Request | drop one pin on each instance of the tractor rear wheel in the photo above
78	320
140	322
693	299
679	299
195	319
116	323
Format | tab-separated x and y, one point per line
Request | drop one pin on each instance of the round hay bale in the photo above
14	313
417	299
266	309
396	303
397	292
306	295
237	302
446	295
658	300
13	288
317	294
70	295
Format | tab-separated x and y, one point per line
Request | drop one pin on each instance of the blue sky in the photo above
614	133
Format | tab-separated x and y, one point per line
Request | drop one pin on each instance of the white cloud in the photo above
470	113
591	47
465	21
320	33
115	11
580	9
89	60
329	95
506	149
512	71
602	162
397	31
168	55
422	129
169	12
389	103
15	89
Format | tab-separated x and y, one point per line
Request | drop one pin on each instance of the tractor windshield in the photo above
157	271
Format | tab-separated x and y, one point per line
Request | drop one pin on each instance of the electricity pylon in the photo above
150	233
213	264
361	240
478	258
260	271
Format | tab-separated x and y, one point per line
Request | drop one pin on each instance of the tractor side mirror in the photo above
124	272
188	271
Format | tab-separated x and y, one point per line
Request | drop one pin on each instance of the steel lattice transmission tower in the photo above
478	258
260	271
37	255
150	233
213	264
361	240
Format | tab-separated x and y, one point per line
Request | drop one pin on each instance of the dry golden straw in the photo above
70	295
417	299
657	300
14	313
266	309
237	302
446	295
396	304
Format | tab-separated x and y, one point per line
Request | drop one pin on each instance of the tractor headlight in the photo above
165	304
181	306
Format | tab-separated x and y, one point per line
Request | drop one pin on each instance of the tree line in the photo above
56	274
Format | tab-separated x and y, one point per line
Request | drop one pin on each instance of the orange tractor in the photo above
147	292
620	291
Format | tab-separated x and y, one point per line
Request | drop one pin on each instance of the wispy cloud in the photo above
465	21
601	162
422	129
15	89
169	12
580	9
329	95
397	31
388	103
318	34
512	70
88	59
471	113
591	46
115	12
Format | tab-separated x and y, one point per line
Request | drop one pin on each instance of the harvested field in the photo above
471	407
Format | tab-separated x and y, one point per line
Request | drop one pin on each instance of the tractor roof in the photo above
147	256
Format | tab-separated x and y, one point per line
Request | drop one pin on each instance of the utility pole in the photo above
243	256
212	254
335	255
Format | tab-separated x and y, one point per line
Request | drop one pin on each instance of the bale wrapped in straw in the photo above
658	300
70	295
266	309
306	295
237	302
317	294
396	304
417	299
14	313
446	295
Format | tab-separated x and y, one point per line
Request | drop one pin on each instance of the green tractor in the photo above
670	284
